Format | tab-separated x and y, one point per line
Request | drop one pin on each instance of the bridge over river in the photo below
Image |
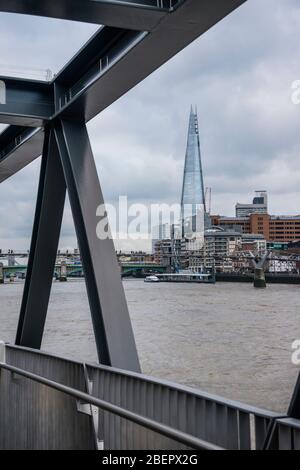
76	270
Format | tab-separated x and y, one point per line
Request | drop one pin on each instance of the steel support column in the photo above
294	409
44	244
112	327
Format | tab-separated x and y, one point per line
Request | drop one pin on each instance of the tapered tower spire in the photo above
193	194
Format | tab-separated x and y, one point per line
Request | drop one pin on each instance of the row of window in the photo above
283	239
276	224
279	232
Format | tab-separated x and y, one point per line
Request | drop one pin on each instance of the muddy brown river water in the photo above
229	339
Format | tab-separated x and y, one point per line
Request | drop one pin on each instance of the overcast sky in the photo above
239	74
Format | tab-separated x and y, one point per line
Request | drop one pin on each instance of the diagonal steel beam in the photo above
93	64
26	102
33	103
115	60
19	146
45	238
141	15
132	56
112	327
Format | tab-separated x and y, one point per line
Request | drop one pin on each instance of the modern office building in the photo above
259	205
194	218
161	232
278	229
165	232
253	242
283	228
193	208
238	224
170	253
219	245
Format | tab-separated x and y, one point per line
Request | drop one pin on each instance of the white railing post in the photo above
2	352
2	92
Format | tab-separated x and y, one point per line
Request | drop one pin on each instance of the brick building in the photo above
283	229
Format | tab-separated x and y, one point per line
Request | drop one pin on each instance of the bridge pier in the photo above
259	263
63	272
259	278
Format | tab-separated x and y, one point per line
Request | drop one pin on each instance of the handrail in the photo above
158	381
190	390
150	424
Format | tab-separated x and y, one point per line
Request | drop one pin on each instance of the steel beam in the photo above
112	327
91	81
19	146
142	15
132	56
139	38
27	102
33	103
45	238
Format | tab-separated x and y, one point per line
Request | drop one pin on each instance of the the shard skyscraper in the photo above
193	210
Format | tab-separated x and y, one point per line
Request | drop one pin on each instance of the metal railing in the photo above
224	423
116	410
287	434
41	393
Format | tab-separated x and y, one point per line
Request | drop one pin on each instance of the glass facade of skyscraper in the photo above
193	195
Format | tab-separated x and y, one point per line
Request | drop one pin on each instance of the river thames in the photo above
228	339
